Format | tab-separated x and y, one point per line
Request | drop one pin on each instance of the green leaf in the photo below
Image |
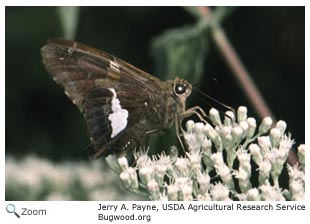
181	52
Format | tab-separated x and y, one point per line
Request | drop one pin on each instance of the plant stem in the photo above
239	70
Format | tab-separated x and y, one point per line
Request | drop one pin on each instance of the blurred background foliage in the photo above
163	41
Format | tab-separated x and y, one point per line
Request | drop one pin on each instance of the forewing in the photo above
79	68
92	79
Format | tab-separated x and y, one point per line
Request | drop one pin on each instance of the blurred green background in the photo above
41	120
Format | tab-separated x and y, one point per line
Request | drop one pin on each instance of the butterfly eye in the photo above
179	88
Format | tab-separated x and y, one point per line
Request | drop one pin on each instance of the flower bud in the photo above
265	125
129	178
190	125
252	126
281	125
214	136
123	163
237	134
146	174
275	137
301	154
256	153
215	117
125	179
244	126
229	118
265	144
242	114
264	171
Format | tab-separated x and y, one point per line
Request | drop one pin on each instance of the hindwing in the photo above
116	119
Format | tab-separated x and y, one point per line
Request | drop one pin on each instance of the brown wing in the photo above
79	68
90	77
125	131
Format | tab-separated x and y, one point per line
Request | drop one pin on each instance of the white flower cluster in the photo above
222	162
33	178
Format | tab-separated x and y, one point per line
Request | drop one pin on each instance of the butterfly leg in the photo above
179	128
199	112
195	111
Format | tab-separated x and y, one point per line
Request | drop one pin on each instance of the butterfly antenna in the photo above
211	99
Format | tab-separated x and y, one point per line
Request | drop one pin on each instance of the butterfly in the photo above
121	104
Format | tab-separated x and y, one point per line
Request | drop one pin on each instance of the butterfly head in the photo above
181	88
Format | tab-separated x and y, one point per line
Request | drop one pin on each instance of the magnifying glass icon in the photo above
10	208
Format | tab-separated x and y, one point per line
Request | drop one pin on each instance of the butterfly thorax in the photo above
172	105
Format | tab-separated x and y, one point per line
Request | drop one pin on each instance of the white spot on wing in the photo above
118	117
114	66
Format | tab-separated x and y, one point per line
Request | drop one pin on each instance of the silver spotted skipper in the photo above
121	104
